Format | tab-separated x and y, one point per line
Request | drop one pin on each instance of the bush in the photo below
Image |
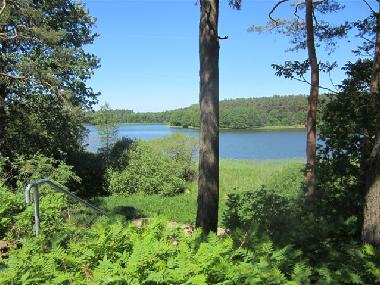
263	211
91	168
11	205
148	171
181	149
36	167
52	204
116	159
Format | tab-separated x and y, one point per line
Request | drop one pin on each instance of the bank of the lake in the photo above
264	128
260	144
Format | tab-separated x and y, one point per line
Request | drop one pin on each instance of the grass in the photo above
235	176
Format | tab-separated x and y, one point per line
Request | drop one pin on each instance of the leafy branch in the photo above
296	70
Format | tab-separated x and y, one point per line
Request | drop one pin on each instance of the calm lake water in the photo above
234	144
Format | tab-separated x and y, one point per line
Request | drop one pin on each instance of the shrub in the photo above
91	168
116	159
181	148
148	171
52	204
11	205
263	211
38	166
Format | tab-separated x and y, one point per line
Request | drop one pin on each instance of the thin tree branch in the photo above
369	6
274	9
332	82
307	82
296	11
3	5
11	76
315	19
366	39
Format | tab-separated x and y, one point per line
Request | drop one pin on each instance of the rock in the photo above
140	222
4	247
3	244
188	229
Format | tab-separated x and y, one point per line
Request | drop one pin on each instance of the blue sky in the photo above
149	52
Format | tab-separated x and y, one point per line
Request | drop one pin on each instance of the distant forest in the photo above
241	113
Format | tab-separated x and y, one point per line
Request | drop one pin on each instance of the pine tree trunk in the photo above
2	121
208	184
371	223
3	115
312	106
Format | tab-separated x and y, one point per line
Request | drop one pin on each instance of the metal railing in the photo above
57	187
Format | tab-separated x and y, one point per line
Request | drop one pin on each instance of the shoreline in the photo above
264	128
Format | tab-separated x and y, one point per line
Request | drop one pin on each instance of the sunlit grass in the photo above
235	176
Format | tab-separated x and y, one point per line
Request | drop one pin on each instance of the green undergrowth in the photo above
270	239
236	176
113	252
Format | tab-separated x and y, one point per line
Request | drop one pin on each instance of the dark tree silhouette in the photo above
311	125
371	224
208	195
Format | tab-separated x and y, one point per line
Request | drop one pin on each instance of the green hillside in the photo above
241	113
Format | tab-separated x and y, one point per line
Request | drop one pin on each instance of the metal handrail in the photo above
56	187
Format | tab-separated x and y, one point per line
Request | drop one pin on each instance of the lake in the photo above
234	144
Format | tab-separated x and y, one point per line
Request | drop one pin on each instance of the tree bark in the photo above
311	141
208	183
2	123
2	120
371	223
3	89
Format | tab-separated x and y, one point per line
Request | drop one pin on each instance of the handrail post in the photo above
37	209
57	187
27	193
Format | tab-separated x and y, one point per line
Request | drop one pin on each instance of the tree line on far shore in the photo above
241	113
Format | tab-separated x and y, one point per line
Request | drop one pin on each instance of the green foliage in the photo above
43	124
18	219
116	159
148	171
52	206
243	113
39	166
106	128
112	253
324	258
347	118
264	211
236	176
181	149
90	168
11	205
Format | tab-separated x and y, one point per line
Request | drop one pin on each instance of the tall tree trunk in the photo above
2	120
208	184
312	105
371	223
3	89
